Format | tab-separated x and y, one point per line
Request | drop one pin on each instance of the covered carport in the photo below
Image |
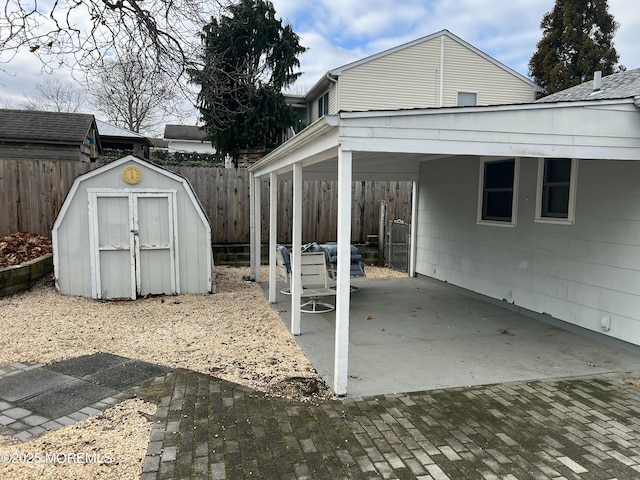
392	145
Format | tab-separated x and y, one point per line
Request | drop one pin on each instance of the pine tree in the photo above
249	57
577	40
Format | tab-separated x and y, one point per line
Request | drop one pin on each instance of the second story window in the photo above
323	105
467	99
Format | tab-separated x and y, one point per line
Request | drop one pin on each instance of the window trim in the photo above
571	214
514	200
323	105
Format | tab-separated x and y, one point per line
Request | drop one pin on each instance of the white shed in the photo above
131	228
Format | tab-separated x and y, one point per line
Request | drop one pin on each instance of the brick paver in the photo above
581	428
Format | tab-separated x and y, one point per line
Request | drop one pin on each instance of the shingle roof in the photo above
51	127
618	85
184	132
107	130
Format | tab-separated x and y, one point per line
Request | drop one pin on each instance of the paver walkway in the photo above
578	428
35	398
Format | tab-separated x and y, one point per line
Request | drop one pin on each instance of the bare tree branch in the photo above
134	95
83	34
57	95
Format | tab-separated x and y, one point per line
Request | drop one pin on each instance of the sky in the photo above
337	32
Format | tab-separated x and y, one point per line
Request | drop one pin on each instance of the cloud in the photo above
337	32
340	31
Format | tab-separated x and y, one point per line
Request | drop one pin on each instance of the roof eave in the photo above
316	129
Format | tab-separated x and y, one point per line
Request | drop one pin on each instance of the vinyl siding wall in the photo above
465	71
313	106
410	78
577	273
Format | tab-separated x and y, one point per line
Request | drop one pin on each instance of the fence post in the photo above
381	232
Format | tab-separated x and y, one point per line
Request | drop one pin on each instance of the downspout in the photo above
441	70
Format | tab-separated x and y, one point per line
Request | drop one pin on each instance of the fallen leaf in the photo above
591	364
382	329
635	384
368	317
505	332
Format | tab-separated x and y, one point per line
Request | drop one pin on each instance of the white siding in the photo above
190	146
466	71
313	105
410	78
577	273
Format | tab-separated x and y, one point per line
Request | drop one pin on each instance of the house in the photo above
439	70
124	141
534	206
48	135
187	138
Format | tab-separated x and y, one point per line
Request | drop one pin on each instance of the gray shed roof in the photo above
618	85
44	127
184	132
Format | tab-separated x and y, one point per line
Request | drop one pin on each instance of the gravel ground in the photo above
234	334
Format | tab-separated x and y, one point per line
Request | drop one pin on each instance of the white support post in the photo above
273	233
296	283
414	229
341	360
257	229
252	225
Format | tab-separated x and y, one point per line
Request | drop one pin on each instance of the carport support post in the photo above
273	233
257	229
341	361
414	229
252	225
296	246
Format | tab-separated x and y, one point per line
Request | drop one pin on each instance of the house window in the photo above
555	201
323	105
467	99
498	191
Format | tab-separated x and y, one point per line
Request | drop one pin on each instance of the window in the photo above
497	191
467	99
323	105
555	201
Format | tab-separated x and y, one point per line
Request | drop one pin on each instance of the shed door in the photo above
133	243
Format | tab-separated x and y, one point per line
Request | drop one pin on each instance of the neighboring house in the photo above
439	70
48	135
159	144
123	141
188	139
534	206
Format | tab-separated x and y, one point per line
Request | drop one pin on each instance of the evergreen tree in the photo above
577	40
249	57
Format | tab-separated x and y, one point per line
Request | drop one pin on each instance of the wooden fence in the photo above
33	192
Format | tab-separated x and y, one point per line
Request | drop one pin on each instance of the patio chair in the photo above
315	283
283	267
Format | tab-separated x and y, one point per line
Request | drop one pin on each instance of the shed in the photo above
49	135
129	229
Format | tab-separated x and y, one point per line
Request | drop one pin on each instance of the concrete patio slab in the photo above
19	387
414	334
